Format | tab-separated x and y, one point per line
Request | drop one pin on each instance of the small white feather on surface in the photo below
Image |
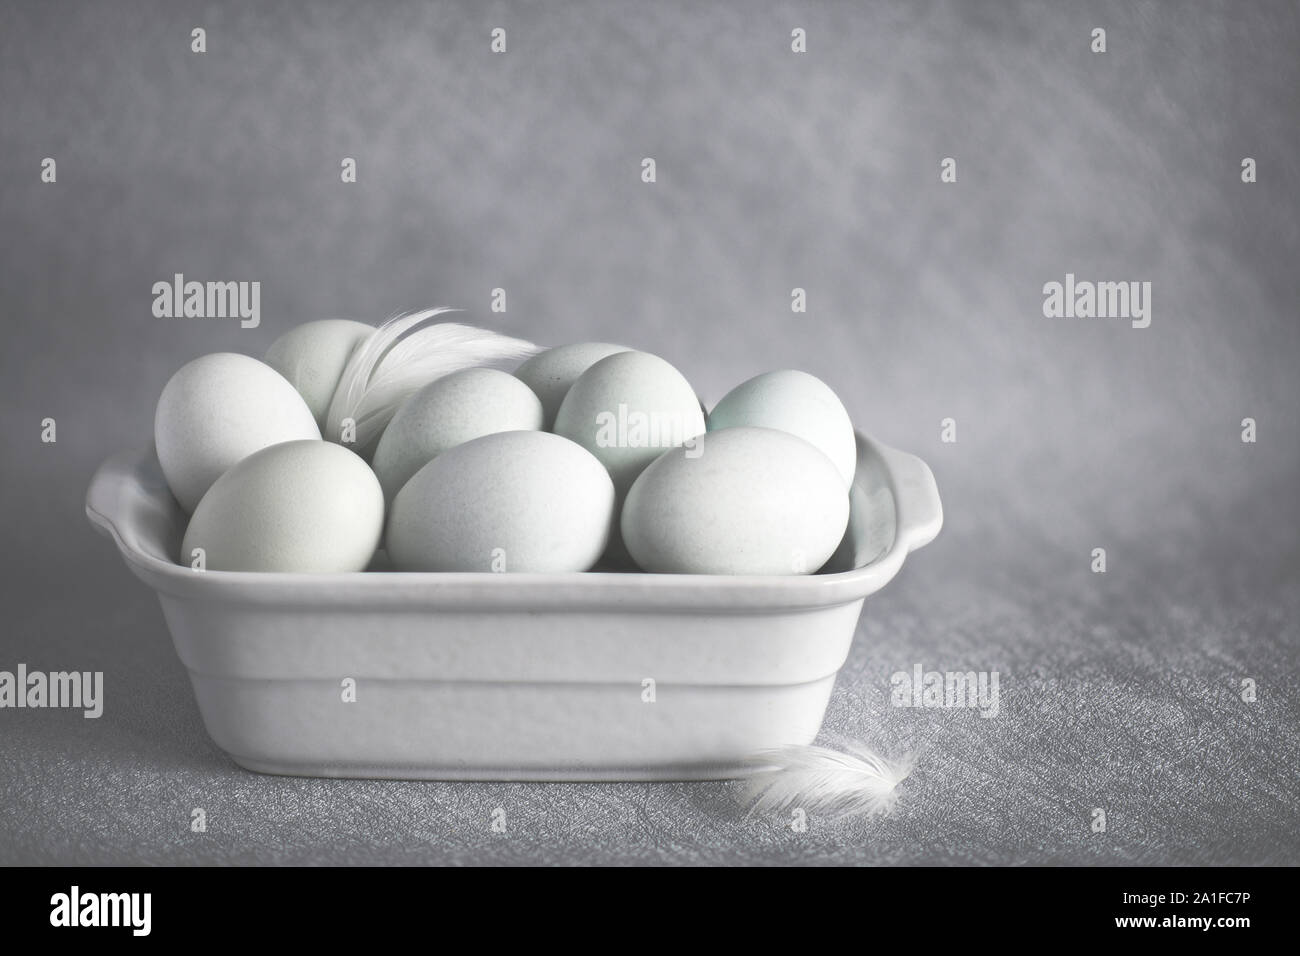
406	353
827	782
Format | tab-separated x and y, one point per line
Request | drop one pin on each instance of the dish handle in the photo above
129	501
916	497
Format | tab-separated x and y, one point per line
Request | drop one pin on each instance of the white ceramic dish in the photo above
514	676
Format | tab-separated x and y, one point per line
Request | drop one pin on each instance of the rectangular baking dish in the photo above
596	676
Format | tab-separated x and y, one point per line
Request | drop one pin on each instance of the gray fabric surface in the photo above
1119	690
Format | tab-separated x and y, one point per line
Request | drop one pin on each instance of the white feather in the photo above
406	353
824	781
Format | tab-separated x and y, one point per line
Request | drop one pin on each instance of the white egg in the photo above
525	501
312	357
794	402
448	412
309	506
627	409
551	374
216	411
743	501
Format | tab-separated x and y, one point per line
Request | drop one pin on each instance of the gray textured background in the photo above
775	170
